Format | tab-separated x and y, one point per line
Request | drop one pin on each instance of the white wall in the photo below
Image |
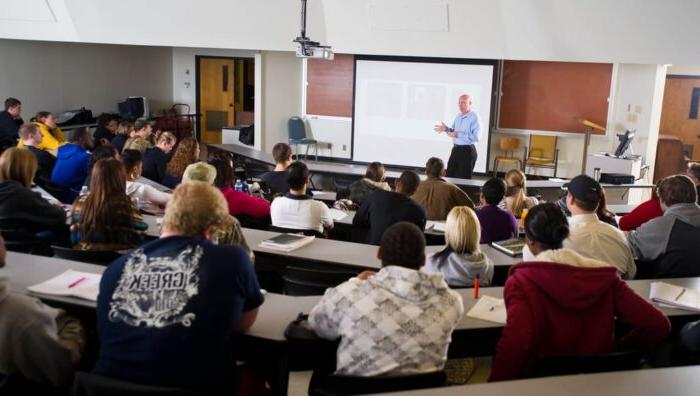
621	31
63	76
280	94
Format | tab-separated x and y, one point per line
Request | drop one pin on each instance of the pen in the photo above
492	309
476	287
76	283
679	294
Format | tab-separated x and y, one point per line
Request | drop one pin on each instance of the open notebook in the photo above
675	296
71	283
489	308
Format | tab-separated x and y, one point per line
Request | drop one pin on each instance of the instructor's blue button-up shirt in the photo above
467	127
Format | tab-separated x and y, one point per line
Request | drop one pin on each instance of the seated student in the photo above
438	196
496	223
368	313
105	218
644	212
103	152
30	136
21	208
107	125
124	131
604	215
139	138
72	161
240	203
667	245
276	179
461	261
40	343
10	121
373	180
199	171
187	153
176	329
381	209
155	159
296	209
51	135
147	197
591	237
560	303
516	194
693	173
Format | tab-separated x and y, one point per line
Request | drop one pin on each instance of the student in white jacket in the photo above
461	261
39	343
147	197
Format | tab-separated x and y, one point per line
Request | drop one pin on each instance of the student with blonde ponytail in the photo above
516	194
461	261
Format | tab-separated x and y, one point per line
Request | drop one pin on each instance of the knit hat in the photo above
199	171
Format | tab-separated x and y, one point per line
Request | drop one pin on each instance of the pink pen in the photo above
76	283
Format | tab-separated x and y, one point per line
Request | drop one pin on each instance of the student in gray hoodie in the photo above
461	261
667	245
39	343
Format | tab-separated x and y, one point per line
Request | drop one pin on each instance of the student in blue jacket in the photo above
72	160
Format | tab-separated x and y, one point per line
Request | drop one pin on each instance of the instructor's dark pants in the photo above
462	160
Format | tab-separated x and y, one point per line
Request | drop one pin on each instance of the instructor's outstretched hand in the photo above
441	127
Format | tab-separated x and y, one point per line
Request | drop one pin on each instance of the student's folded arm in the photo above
649	324
512	350
247	320
649	241
324	319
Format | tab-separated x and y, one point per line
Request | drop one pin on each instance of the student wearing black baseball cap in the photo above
591	237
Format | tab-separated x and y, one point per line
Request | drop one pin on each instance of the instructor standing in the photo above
465	131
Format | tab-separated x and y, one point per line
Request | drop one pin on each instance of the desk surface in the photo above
678	381
359	170
278	310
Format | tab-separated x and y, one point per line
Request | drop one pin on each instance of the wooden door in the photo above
216	97
680	112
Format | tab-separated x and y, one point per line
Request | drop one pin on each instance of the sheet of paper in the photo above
71	283
429	225
489	308
337	214
677	296
440	226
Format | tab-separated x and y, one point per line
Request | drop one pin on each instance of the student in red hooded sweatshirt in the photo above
240	204
561	303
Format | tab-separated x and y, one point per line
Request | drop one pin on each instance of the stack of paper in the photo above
71	283
675	296
337	214
489	308
286	242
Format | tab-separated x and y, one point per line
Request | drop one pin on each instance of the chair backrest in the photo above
585	364
312	282
542	147
22	241
296	231
296	127
354	385
100	257
508	144
86	384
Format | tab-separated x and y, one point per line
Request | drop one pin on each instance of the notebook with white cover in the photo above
337	214
675	296
489	308
71	283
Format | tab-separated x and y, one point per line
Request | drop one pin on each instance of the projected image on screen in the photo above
398	103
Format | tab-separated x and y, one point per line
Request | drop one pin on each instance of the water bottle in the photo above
84	191
238	186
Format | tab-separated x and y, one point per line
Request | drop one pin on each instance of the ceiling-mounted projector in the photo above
307	47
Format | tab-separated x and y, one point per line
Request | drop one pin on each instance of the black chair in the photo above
587	364
296	231
331	385
17	385
21	241
100	257
86	384
312	282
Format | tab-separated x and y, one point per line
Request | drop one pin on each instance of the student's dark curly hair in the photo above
403	245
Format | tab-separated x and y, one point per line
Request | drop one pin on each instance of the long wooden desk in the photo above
677	381
359	170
